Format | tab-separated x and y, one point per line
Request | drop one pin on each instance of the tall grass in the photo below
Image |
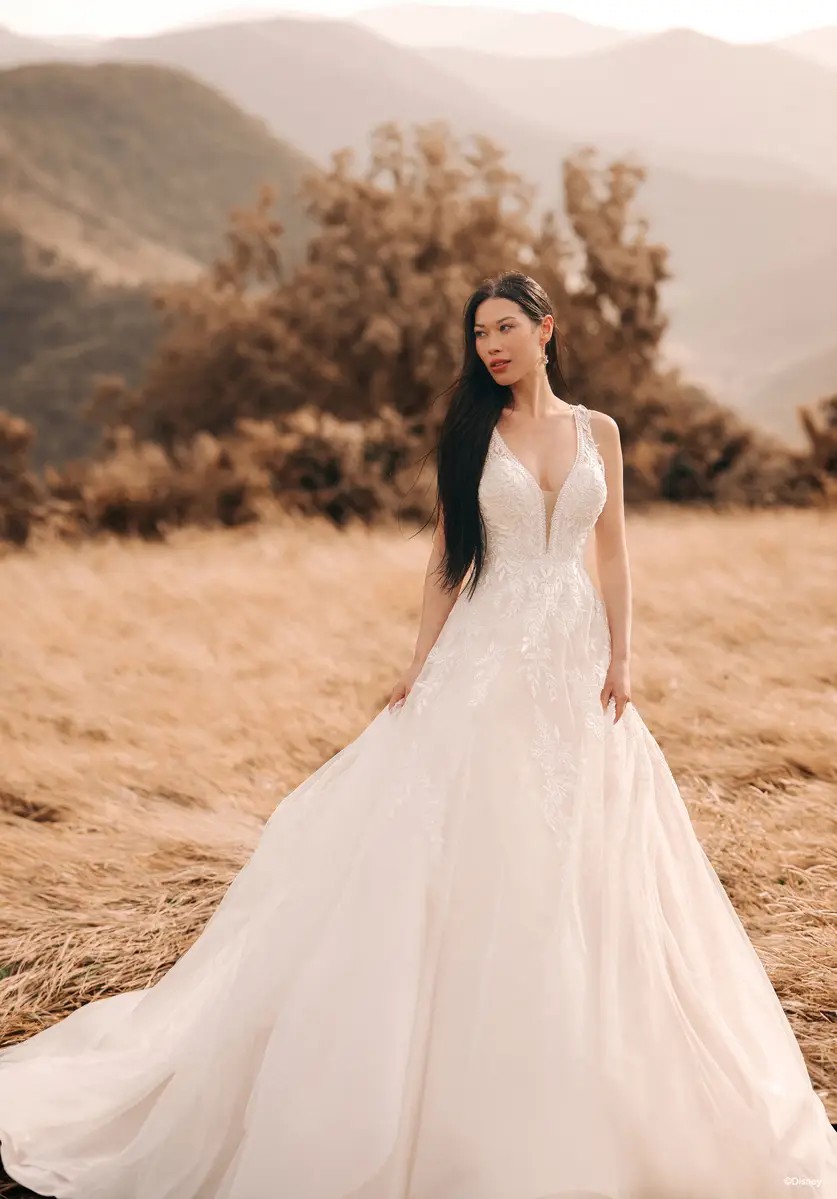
157	701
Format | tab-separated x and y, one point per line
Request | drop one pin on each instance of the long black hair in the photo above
476	403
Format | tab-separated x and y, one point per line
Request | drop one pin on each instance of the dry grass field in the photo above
158	700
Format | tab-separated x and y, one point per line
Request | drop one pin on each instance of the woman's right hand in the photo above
404	685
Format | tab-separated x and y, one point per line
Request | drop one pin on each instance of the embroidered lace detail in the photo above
418	787
558	762
535	620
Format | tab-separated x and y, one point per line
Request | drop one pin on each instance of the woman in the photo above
479	953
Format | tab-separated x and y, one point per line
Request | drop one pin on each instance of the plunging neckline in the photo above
543	491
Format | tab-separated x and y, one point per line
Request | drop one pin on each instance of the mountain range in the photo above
103	195
93	164
739	142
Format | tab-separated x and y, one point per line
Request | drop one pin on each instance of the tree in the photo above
370	321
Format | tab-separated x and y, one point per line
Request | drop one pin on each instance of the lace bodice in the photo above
534	585
523	526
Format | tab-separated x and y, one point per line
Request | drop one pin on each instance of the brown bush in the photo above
820	423
140	488
371	319
20	490
310	462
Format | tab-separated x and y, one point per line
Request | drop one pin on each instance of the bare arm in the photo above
436	606
611	544
436	601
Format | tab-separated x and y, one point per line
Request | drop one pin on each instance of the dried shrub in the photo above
310	463
20	490
141	488
820	424
371	319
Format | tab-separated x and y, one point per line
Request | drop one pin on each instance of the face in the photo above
507	341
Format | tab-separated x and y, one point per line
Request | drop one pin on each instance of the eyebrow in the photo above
499	321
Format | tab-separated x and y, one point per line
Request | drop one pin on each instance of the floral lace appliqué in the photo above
535	619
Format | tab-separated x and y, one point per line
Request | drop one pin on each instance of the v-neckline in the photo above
543	492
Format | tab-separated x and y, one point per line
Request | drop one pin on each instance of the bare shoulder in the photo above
604	428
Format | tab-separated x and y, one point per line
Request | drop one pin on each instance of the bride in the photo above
479	953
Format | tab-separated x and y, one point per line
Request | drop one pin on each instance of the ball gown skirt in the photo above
478	954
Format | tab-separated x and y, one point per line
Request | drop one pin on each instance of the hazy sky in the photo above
735	20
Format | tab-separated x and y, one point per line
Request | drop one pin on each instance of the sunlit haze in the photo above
744	20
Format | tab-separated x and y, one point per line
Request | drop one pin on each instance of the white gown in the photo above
477	954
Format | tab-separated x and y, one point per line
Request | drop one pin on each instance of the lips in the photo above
500	364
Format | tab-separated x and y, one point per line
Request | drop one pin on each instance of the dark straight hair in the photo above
477	400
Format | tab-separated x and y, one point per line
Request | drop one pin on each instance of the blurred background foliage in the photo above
315	380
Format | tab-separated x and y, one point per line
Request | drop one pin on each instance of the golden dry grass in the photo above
157	701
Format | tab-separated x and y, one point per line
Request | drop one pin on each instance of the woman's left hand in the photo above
617	686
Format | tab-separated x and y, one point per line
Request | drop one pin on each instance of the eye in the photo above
505	325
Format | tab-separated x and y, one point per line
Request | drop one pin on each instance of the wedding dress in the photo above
478	954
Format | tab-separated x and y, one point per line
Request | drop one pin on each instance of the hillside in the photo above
680	89
816	45
61	327
16	48
748	330
322	84
730	207
492	30
102	192
720	191
726	199
94	165
266	65
801	382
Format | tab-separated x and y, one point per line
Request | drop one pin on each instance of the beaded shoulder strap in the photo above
589	449
584	428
